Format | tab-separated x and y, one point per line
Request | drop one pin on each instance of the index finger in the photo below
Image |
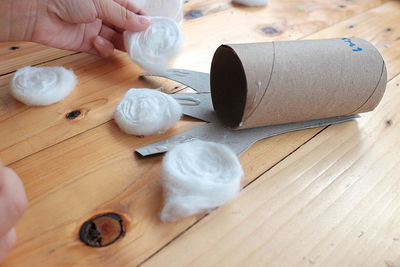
120	16
131	6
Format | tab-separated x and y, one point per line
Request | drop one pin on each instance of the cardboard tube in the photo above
263	84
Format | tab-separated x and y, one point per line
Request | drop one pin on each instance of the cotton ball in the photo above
198	176
42	86
251	2
162	8
154	48
146	111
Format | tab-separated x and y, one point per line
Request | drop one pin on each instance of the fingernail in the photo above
100	41
144	20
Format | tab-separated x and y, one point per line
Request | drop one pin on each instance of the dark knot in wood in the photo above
73	115
193	14
268	30
102	230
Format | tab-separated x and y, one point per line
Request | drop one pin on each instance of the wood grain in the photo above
383	33
96	171
194	9
280	20
101	171
335	202
19	54
26	130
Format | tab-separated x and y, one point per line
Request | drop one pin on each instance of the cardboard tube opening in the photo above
228	86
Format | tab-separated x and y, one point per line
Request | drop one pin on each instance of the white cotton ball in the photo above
154	48
146	111
198	176
162	8
251	2
42	86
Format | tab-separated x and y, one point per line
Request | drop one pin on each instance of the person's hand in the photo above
93	26
12	206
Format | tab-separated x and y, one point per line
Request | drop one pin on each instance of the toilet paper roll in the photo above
261	84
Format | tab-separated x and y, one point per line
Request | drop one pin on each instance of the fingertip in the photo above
17	194
12	237
131	6
144	21
103	47
120	17
7	242
138	23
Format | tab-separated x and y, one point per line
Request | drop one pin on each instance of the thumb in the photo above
119	16
103	47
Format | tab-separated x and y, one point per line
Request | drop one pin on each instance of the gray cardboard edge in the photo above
199	81
238	140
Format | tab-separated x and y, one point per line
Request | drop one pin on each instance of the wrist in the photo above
17	19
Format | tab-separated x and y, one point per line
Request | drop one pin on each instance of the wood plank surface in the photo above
19	54
95	171
100	88
327	198
335	202
379	26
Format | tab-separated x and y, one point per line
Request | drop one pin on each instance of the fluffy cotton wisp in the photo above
41	86
154	48
162	8
146	112
251	2
197	177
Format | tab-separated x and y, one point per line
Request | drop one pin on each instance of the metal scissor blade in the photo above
199	81
239	140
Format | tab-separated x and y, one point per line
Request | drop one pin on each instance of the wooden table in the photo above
325	197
